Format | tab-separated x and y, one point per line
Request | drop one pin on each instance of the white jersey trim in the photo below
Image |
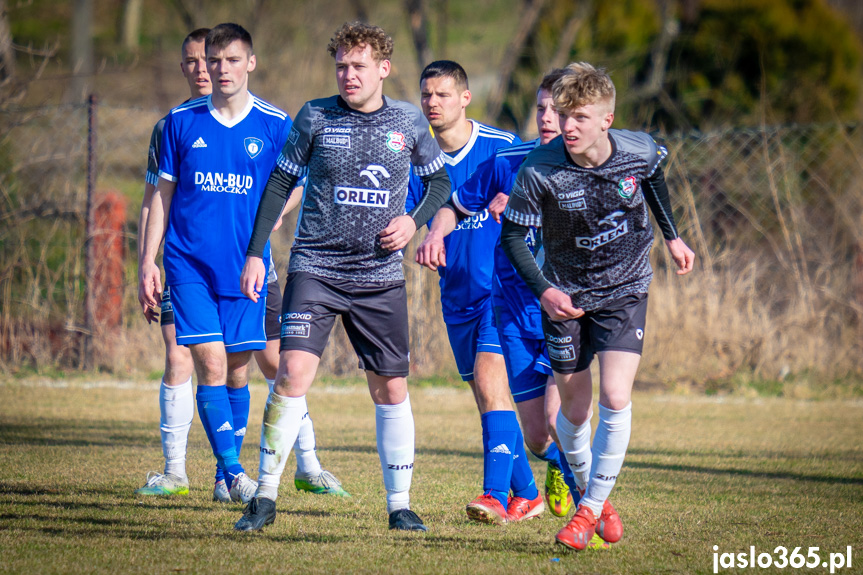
236	119
167	176
474	132
459	205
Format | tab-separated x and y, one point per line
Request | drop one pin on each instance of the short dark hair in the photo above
223	35
447	69
353	34
549	79
198	35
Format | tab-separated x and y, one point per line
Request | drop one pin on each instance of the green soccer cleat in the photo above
324	483
164	485
557	493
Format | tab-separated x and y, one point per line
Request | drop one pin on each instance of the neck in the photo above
231	106
596	155
455	137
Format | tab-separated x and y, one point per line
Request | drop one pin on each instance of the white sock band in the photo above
395	437
282	419
609	449
177	408
575	444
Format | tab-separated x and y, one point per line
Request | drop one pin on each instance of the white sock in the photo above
282	419
575	444
395	435
609	449
177	408
304	448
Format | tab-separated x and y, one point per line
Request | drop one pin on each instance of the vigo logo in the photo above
337	130
603	238
397	467
372	171
226	183
553	339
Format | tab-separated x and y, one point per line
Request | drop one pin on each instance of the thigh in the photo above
196	314
377	326
242	323
309	309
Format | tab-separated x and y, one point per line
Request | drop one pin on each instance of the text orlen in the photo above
362	197
225	183
603	238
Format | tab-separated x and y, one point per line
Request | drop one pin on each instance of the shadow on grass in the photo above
366	449
755	474
75	433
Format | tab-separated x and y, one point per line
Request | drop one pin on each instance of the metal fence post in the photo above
89	304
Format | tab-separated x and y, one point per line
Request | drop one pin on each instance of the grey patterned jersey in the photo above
358	167
595	229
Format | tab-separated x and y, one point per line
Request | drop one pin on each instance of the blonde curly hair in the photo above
353	34
582	85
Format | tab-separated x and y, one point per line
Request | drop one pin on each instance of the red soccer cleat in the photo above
579	531
609	526
486	509
521	508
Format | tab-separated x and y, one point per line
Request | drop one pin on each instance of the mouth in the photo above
351	89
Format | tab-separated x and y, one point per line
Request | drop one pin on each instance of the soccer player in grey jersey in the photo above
589	191
357	149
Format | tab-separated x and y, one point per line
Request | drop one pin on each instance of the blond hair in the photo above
583	85
353	34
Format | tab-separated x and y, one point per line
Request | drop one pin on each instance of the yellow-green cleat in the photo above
557	494
324	483
164	485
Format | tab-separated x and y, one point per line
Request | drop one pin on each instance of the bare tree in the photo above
7	52
82	50
131	28
418	21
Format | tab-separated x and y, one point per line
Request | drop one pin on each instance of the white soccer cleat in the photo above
164	485
325	483
221	493
243	489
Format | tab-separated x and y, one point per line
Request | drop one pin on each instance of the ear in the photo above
385	66
466	97
606	122
253	62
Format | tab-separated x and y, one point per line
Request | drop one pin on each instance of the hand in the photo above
497	205
558	305
149	287
253	277
431	253
398	233
681	254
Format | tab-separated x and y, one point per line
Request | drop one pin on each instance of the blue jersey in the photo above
465	282
221	168
520	309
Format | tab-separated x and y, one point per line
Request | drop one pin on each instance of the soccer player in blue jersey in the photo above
466	288
517	313
357	149
589	191
216	153
176	397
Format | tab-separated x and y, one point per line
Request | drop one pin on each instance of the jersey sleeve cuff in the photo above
152	178
459	206
431	168
290	167
522	219
167	176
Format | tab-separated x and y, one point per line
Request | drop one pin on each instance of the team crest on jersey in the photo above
253	146
396	141
627	187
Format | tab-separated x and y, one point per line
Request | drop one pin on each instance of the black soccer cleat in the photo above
259	512
406	520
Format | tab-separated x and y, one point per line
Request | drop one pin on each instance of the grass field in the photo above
700	472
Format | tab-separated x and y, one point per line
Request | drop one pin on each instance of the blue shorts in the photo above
201	315
471	337
527	366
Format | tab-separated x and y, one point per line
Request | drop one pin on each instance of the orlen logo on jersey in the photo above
361	197
605	237
473	222
571	201
226	183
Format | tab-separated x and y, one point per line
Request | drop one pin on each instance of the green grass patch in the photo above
701	471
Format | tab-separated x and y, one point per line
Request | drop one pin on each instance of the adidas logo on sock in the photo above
240	432
225	427
502	448
199	143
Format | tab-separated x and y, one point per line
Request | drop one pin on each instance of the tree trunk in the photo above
132	24
419	31
7	53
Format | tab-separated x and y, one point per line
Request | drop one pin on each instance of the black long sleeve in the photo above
512	242
437	191
656	194
279	186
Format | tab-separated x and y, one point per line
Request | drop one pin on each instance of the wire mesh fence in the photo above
774	214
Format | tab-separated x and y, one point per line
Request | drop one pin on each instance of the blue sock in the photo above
555	456
522	482
499	433
214	409
239	399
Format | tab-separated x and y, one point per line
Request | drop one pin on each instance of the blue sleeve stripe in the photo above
290	167
459	205
167	176
521	219
152	178
431	168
